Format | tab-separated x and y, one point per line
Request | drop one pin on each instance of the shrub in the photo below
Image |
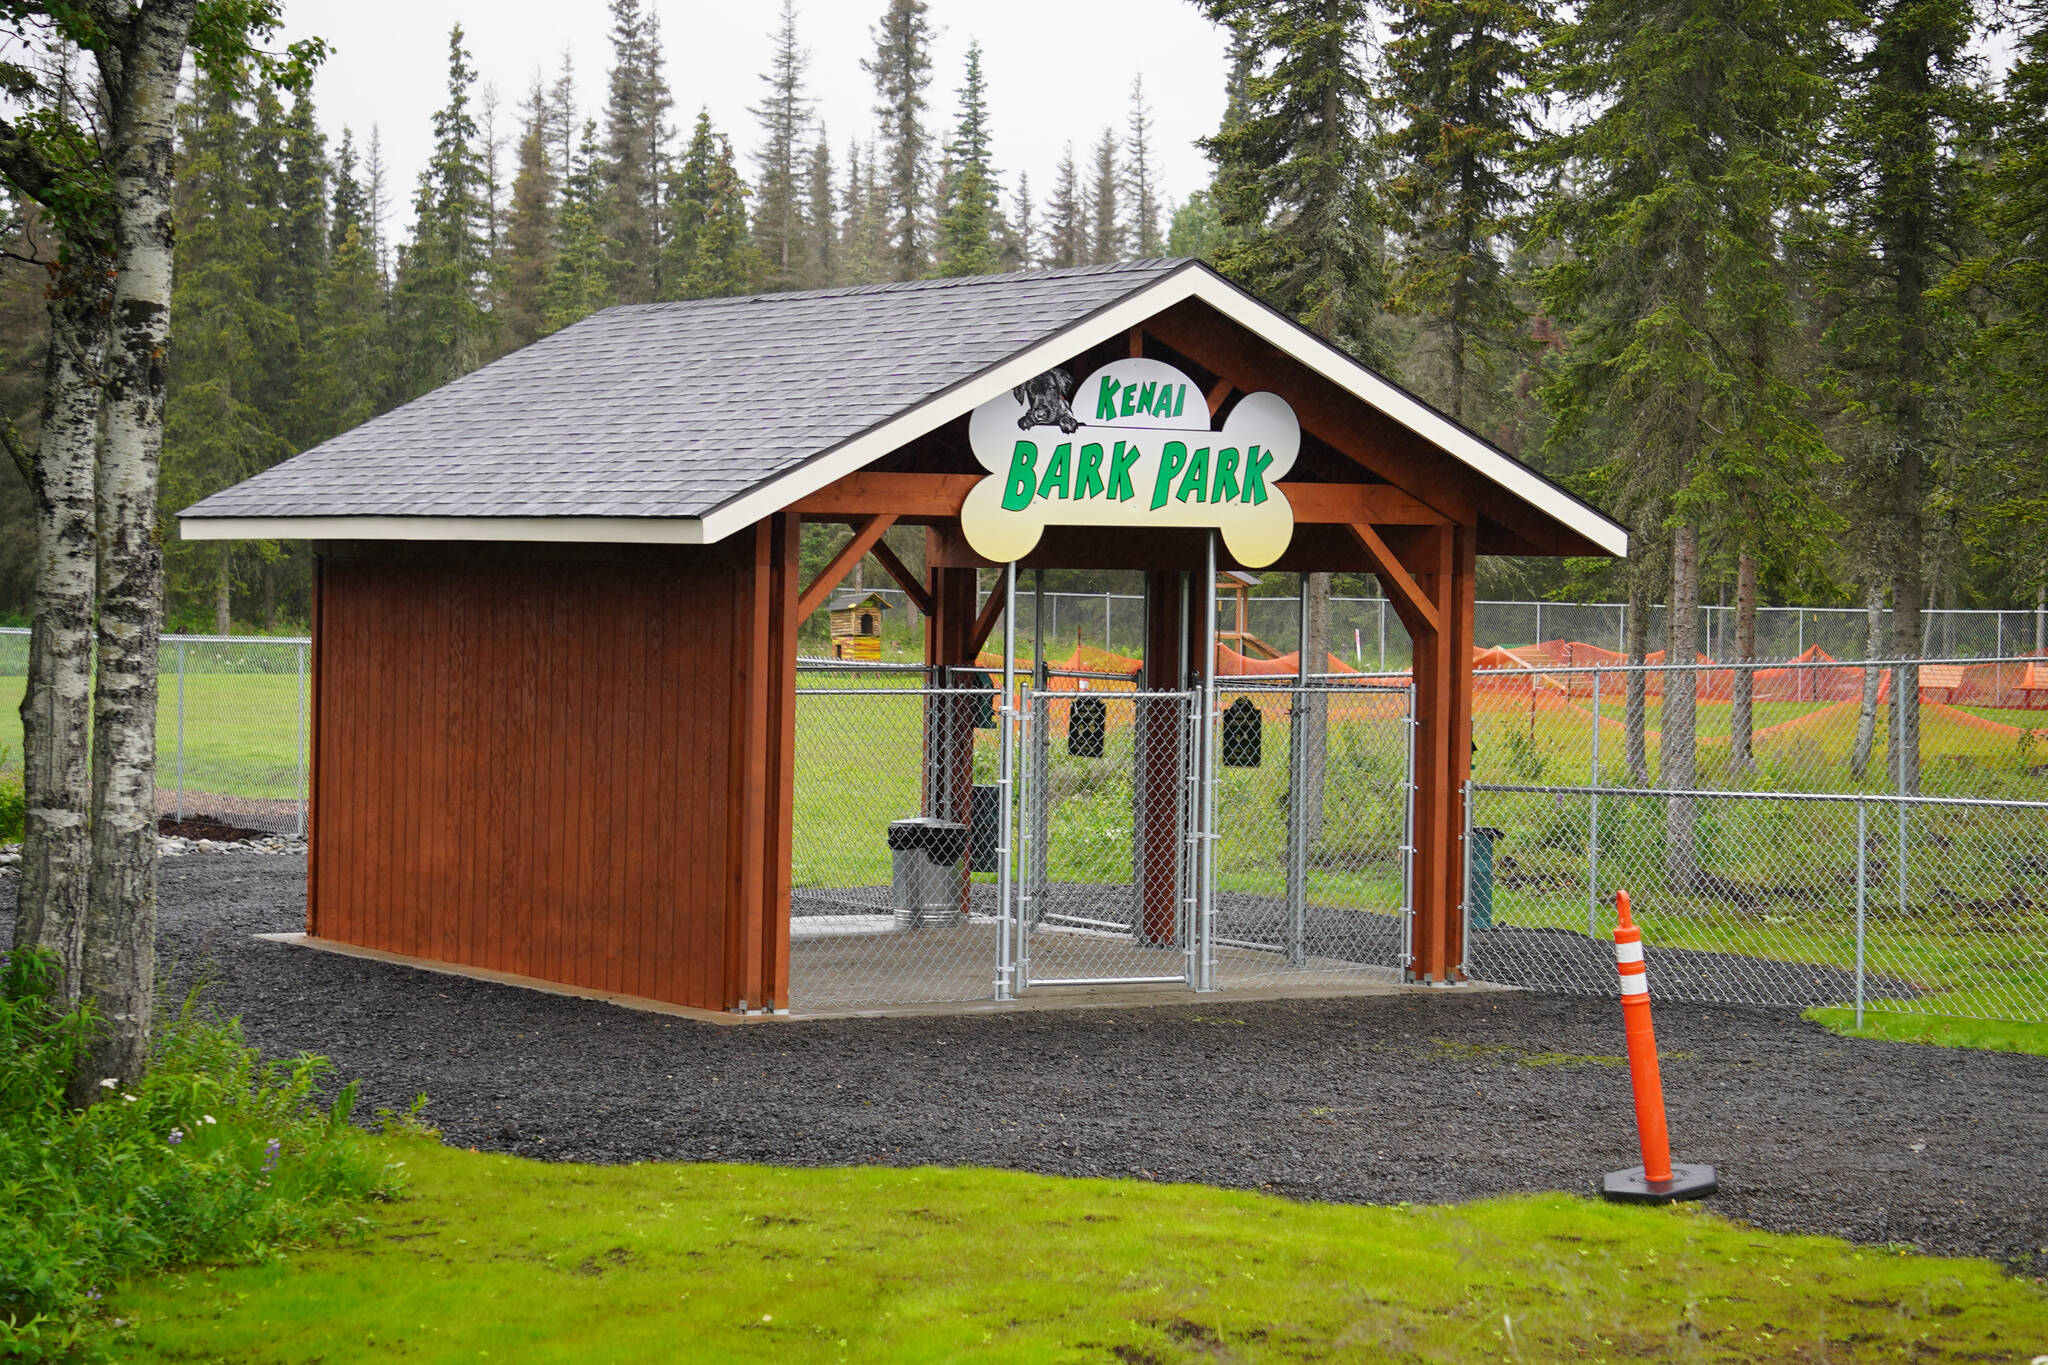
214	1155
13	806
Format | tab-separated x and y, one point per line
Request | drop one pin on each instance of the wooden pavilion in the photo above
556	601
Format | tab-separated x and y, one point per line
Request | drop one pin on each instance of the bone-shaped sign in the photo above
1147	458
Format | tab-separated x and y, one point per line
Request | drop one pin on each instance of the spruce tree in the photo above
784	116
1297	168
636	105
1196	230
901	68
1696	141
710	252
1105	204
1066	216
351	202
348	373
1901	217
2008	494
579	282
1140	189
216	429
857	231
528	255
821	221
968	227
1457	90
1020	228
439	300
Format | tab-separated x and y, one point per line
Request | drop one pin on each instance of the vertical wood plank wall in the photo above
525	760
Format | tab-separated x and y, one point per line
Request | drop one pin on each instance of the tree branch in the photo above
17	450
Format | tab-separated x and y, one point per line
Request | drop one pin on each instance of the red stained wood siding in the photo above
535	760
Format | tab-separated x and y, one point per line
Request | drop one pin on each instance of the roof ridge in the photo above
1147	265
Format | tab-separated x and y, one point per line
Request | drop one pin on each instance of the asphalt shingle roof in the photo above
671	409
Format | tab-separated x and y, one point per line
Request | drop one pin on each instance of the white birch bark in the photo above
56	706
119	961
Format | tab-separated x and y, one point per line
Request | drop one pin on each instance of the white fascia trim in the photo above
613	530
1413	413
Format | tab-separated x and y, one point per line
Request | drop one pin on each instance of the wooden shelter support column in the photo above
757	939
949	720
1431	588
1160	738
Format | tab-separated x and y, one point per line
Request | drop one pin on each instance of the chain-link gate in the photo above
1107	884
1314	846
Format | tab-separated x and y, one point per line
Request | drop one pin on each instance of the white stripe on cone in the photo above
1628	952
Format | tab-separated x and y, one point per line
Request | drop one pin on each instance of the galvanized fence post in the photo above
181	730
1408	839
301	713
1862	900
1297	783
1593	824
1006	780
1207	906
1465	899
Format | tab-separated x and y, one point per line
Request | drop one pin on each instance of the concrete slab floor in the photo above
951	971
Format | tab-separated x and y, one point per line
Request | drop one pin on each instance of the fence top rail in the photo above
1852	798
1317	682
812	664
1741	665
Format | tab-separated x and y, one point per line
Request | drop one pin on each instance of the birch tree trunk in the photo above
1873	649
1677	766
223	587
1742	711
56	706
119	962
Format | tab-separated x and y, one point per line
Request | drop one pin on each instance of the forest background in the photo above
1765	283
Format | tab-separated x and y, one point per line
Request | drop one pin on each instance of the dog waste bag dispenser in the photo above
1241	738
928	871
1086	725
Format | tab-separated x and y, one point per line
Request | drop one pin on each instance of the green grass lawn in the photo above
241	732
1994	1035
497	1258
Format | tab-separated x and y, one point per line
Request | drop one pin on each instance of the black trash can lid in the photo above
943	841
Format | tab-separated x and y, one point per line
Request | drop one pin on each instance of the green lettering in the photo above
1255	464
1147	394
1105	400
1056	471
1196	480
1226	476
1088	474
1120	463
1170	460
1180	398
1017	491
1130	395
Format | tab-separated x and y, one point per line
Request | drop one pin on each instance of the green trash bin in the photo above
1481	907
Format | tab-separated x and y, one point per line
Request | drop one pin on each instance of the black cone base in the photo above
1686	1182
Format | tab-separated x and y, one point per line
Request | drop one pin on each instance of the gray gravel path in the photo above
1421	1097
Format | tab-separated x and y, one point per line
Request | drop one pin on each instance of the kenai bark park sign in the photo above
1130	447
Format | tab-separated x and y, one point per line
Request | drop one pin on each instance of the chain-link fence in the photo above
1791	860
231	728
1365	634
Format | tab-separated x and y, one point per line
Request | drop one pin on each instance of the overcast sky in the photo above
1057	70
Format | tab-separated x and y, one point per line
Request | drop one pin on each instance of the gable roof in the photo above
684	422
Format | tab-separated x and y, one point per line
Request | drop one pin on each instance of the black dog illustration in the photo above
1046	397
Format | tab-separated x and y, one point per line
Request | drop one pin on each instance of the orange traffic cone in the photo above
1657	1180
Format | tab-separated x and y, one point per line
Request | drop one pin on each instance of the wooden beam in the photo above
986	622
1410	601
864	494
1137	343
1218	394
1367	504
864	539
905	579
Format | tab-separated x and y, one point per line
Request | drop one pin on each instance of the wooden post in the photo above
1159	736
785	616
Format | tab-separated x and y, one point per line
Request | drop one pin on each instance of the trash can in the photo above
928	871
985	816
1481	908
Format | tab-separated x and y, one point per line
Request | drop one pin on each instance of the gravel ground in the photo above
1423	1097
